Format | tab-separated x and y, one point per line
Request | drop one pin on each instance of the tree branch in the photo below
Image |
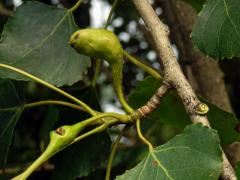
4	11
172	72
154	101
206	71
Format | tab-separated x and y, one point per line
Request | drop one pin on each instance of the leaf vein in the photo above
230	19
47	37
145	163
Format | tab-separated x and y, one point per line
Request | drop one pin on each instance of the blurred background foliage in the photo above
31	133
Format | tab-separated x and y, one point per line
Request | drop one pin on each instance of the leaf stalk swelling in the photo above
98	61
66	135
172	71
97	43
92	42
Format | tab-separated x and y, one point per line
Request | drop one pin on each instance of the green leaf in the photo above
238	170
172	112
224	122
129	157
9	96
217	31
194	154
35	39
196	4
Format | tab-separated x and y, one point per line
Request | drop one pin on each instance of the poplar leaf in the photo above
35	39
194	154
217	30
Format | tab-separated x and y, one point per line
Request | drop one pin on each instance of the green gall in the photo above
61	137
64	135
102	44
98	43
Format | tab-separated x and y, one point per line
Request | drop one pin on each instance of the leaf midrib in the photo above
230	19
47	37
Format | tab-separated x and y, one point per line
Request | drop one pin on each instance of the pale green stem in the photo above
63	103
124	103
113	152
111	13
46	155
55	146
40	103
75	6
151	150
145	141
97	70
117	83
121	117
96	130
40	81
98	61
143	66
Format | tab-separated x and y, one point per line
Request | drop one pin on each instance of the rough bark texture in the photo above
154	101
172	71
181	17
4	11
203	73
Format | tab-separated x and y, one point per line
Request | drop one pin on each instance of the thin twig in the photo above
172	72
154	101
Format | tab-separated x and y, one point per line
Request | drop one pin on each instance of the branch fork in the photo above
173	74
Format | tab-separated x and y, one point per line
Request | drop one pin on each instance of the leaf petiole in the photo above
40	81
143	66
75	6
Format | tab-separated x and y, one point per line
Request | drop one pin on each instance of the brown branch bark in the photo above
172	72
4	11
154	101
181	17
203	73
